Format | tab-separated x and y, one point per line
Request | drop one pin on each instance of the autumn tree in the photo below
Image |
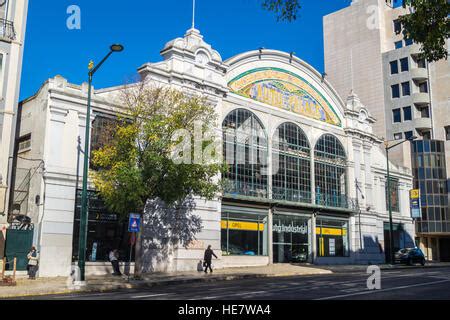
140	166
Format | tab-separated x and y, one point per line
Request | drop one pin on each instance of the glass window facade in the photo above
330	172
244	234
106	231
290	239
332	237
245	152
430	176
291	159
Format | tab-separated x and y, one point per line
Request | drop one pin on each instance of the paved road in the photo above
409	284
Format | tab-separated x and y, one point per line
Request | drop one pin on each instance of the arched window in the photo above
245	152
291	164
330	172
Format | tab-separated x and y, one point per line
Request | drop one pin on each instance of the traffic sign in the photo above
415	204
134	225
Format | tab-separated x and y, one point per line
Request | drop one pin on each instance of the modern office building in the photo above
365	51
298	150
13	16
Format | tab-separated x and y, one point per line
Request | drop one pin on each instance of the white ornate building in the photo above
278	111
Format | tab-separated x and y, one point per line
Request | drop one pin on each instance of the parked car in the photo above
410	256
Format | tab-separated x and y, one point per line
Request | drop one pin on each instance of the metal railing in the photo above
7	30
260	191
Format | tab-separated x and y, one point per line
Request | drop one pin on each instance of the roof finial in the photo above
193	14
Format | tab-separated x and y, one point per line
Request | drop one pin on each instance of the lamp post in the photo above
84	203
391	236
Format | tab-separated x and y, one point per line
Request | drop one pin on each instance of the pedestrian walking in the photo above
209	253
114	259
33	262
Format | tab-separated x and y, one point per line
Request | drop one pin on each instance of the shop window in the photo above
291	163
395	91
332	238
290	239
394	194
407	114
106	231
394	67
404	64
330	172
244	234
245	152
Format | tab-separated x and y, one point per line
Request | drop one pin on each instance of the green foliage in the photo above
137	165
286	10
428	24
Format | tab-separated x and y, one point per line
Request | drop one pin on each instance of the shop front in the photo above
291	234
332	237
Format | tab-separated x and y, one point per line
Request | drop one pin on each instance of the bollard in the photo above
3	267
14	270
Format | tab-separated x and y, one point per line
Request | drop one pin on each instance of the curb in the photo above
145	284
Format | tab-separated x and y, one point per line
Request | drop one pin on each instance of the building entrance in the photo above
290	239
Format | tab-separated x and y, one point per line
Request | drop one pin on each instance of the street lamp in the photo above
84	203
391	236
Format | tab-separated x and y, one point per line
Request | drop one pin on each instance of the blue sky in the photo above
144	26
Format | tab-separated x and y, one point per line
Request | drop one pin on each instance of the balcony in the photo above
7	31
419	74
421	98
422	123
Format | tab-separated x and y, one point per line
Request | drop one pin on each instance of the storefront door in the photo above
290	239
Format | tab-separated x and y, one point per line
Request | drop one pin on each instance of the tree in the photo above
286	10
139	169
426	24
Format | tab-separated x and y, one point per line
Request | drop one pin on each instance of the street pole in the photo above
391	228
84	199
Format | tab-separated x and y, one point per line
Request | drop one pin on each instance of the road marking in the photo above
383	290
151	296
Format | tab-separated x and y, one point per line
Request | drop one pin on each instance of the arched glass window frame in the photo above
292	157
331	160
259	186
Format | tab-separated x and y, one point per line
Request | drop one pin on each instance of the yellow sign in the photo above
331	231
241	225
415	194
285	90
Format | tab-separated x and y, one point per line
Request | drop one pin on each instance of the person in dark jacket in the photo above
208	259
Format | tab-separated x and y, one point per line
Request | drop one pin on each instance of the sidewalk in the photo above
51	286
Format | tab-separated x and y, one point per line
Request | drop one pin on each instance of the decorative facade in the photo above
306	184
